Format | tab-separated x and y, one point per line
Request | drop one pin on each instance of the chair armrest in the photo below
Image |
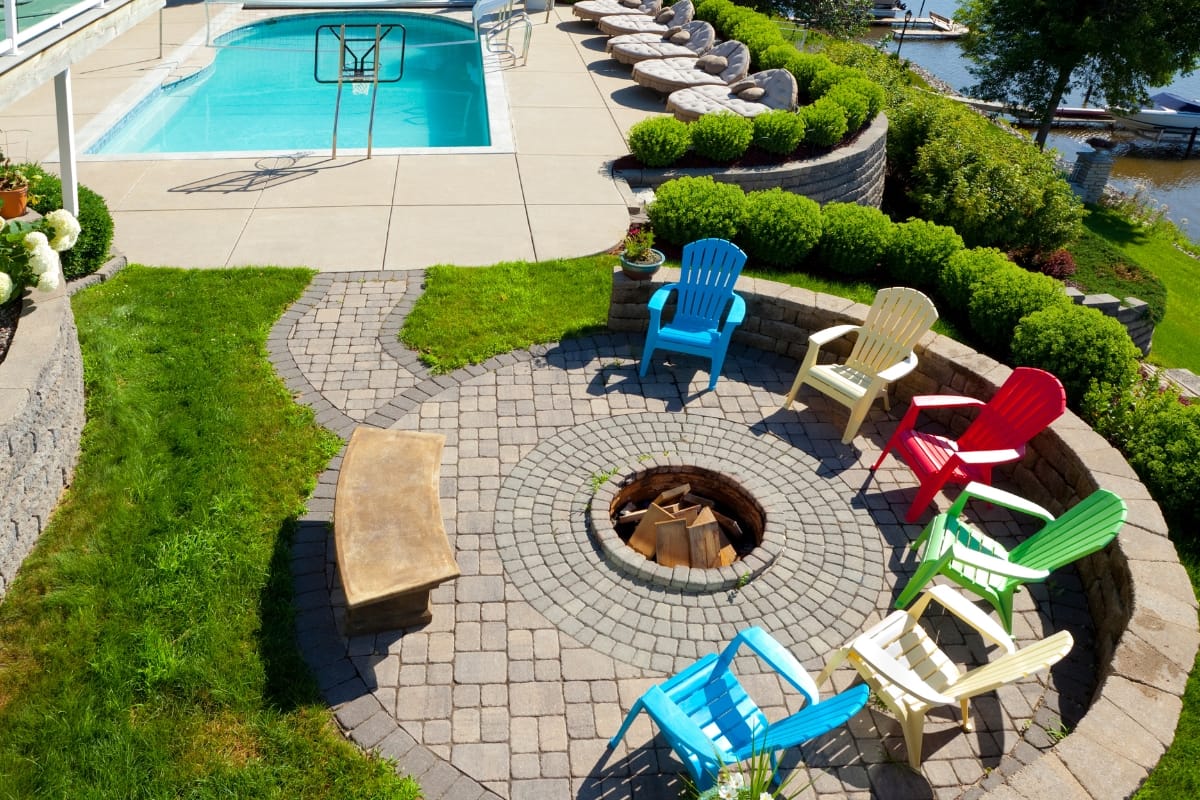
737	313
967	611
813	720
1000	566
944	401
659	298
900	369
886	669
975	457
776	656
998	497
827	335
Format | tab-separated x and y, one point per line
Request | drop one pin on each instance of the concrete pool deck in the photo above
553	197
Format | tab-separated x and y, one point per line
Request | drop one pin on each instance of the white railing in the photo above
15	36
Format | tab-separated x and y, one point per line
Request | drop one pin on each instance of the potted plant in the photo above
639	259
14	189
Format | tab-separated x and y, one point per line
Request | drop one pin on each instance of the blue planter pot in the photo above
640	271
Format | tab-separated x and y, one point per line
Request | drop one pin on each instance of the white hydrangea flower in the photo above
49	280
6	287
43	260
66	229
35	240
765	796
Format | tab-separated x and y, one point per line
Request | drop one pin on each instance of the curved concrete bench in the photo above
1138	593
392	549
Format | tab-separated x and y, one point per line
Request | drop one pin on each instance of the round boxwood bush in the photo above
1002	297
778	131
824	122
856	106
963	270
854	238
91	250
918	252
1080	345
780	228
871	91
723	137
825	79
690	208
659	141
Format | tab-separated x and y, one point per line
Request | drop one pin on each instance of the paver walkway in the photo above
535	654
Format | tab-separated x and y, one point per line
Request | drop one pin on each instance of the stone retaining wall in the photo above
851	174
1140	597
1133	313
41	419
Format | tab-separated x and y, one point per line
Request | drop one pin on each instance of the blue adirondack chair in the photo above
704	293
710	721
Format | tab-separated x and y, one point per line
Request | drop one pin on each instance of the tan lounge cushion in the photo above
681	37
751	93
712	64
664	16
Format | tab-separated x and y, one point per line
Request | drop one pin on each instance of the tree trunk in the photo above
1060	86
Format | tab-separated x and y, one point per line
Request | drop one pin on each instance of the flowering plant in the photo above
638	242
757	779
11	176
29	252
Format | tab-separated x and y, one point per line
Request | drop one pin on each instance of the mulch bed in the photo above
10	312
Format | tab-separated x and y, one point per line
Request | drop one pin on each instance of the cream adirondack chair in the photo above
882	353
903	665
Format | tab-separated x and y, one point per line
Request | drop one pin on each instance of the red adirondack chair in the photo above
1023	405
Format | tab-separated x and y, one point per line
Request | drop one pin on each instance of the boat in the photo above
1171	112
886	9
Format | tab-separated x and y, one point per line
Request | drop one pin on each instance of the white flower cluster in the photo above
40	251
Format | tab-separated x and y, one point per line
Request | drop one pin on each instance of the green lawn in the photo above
146	648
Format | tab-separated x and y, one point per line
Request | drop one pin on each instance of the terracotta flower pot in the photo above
642	270
15	201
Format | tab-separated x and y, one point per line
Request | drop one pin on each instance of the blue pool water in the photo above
261	91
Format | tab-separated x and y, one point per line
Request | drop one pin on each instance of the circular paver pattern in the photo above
542	531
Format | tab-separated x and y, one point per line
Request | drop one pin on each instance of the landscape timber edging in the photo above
1140	597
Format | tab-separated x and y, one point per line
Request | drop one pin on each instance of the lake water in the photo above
1173	182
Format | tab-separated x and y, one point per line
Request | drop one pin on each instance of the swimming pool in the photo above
272	87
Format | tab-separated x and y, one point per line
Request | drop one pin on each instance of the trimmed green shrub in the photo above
963	270
1160	437
689	208
910	125
758	34
778	131
919	251
825	79
804	68
1082	346
854	238
729	17
871	91
723	137
91	250
1002	297
659	141
856	106
780	228
824	122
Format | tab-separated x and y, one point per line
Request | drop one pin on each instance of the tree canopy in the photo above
1033	52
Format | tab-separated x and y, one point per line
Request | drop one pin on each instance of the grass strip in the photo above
147	646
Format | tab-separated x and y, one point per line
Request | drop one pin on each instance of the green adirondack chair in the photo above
957	549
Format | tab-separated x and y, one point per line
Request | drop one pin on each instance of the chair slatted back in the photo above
1022	407
1085	528
710	268
898	318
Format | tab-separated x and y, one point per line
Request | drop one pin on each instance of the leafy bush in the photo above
1082	346
689	208
871	91
919	251
804	67
963	270
723	137
1160	436
854	238
856	106
995	189
911	123
758	34
824	122
825	79
91	251
778	131
1057	264
659	141
780	228
1001	297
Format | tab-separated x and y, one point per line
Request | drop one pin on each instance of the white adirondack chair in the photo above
905	668
882	353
